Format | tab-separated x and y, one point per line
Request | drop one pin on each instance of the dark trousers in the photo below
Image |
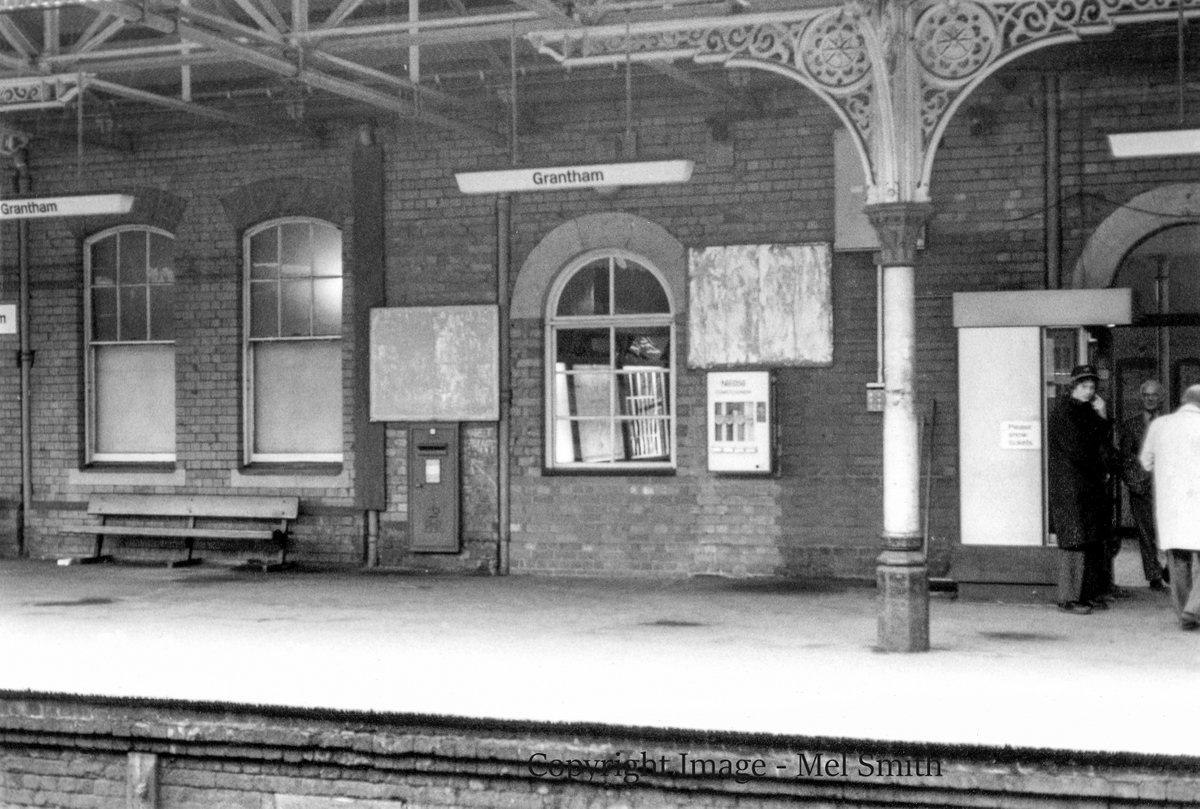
1082	573
1142	509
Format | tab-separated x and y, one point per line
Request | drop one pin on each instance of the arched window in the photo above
610	341
293	347
129	311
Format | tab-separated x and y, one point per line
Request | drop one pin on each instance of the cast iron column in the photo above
901	575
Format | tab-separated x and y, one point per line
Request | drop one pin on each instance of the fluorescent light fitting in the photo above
18	5
1162	143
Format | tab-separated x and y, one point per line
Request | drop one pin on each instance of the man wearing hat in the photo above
1080	445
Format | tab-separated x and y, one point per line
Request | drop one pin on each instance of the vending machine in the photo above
740	422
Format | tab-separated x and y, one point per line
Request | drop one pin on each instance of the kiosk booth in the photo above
1015	354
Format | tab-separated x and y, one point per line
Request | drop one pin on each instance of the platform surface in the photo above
795	658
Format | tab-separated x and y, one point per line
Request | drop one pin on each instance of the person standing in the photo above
1079	435
1138	480
1172	452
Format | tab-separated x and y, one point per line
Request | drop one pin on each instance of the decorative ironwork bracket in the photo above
894	72
39	92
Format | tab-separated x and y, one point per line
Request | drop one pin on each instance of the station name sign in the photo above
559	178
79	205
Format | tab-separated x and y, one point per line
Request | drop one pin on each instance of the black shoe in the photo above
1097	604
1075	608
1157	584
1189	622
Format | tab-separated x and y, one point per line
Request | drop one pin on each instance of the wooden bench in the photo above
189	517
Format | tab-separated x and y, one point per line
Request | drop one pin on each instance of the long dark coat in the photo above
1080	452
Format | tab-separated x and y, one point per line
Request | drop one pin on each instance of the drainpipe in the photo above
503	428
372	538
1053	187
22	183
1162	286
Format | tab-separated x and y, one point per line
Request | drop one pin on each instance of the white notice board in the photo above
435	363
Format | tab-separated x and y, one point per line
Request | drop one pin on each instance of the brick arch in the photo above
598	232
152	207
1127	227
286	196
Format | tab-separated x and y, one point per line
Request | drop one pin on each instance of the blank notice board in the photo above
435	363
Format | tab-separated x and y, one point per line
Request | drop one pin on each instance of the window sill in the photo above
290	476
598	471
111	473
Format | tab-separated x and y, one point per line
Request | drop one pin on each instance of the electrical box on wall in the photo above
740	422
875	397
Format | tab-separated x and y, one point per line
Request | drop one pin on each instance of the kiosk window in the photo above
610	337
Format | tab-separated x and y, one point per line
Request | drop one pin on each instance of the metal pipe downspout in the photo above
503	428
372	538
22	183
1053	187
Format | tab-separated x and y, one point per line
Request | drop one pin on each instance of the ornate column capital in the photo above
898	225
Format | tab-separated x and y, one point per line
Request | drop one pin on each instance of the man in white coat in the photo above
1171	451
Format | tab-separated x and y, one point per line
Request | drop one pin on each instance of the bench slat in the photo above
166	531
159	505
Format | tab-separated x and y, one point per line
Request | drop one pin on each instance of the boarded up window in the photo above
760	305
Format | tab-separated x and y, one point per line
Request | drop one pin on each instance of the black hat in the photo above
1082	372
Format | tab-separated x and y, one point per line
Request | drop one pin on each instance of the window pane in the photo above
104	313
133	313
638	291
133	257
649	345
135	399
587	346
587	291
646	439
327	250
644	392
162	312
162	259
296	248
264	309
264	254
104	262
590	398
296	308
298	397
327	306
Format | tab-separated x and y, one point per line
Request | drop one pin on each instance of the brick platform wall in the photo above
62	752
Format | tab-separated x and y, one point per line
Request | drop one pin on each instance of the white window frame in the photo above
248	342
89	352
612	323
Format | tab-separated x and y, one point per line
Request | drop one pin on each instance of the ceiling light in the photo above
1161	143
18	5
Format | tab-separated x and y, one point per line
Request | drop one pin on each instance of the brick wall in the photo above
771	181
82	753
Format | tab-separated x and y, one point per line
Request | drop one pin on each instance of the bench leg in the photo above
190	561
97	556
281	538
